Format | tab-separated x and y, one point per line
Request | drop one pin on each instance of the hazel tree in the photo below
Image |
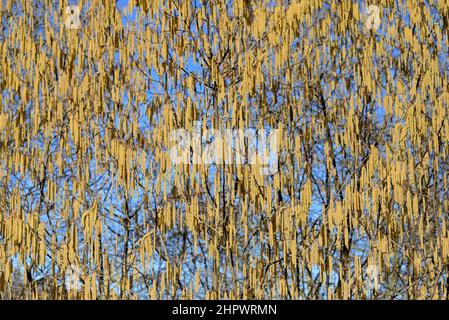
98	98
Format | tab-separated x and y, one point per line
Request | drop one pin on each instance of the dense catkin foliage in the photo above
93	205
